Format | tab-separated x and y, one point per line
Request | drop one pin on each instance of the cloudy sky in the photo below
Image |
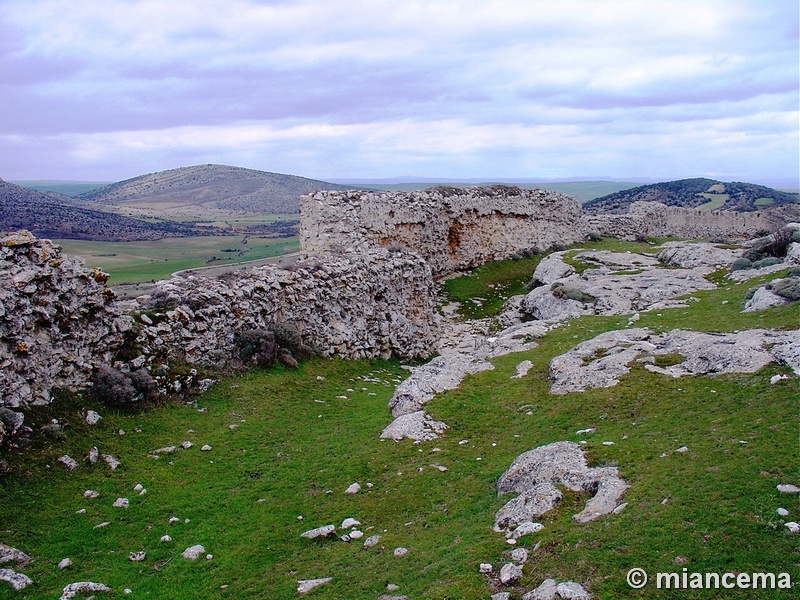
111	89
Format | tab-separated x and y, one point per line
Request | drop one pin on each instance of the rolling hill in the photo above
56	216
706	194
206	190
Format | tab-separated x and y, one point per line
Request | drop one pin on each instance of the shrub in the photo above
256	346
113	388
288	338
740	264
767	262
788	288
594	236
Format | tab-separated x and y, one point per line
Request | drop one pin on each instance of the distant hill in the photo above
207	189
705	194
52	215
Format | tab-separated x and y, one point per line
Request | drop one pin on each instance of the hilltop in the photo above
706	194
210	190
54	215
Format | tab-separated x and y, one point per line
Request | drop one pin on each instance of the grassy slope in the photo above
289	450
131	262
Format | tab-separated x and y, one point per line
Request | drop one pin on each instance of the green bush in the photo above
767	262
788	288
740	264
256	346
113	387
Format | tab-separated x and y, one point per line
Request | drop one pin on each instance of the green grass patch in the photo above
715	201
483	291
764	201
133	262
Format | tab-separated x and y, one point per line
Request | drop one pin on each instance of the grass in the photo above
291	455
715	201
764	201
133	262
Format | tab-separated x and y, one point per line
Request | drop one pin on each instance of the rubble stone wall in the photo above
451	228
58	321
653	219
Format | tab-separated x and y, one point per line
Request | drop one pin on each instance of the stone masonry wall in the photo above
58	322
653	219
452	229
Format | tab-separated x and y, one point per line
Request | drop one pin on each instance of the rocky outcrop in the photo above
534	476
451	228
601	361
617	283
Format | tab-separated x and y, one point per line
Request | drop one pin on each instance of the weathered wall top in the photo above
451	228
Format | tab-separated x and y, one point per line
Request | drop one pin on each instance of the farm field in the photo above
134	262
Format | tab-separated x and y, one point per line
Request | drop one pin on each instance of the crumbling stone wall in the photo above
653	219
451	228
58	321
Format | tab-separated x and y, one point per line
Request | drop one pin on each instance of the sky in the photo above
103	90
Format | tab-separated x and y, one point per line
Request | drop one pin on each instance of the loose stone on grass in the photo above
17	581
326	531
306	585
82	587
193	552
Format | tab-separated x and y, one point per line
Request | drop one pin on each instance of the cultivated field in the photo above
133	262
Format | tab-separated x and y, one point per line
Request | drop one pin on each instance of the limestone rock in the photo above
400	551
82	587
522	369
417	426
519	555
92	418
485	568
788	488
325	531
17	581
501	596
121	503
371	541
12	555
534	474
306	585
510	573
792	526
64	563
139	556
349	522
547	590
193	552
762	299
569	590
69	463
353	488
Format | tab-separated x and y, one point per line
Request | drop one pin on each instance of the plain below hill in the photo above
52	215
206	191
701	193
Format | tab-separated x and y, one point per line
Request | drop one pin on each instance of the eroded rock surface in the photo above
601	361
534	476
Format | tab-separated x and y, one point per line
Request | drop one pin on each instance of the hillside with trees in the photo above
707	194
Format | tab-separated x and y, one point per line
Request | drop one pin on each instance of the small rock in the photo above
306	585
92	418
608	443
485	568
166	538
65	564
783	512
501	596
547	590
173	520
205	448
569	590
788	488
137	556
390	587
324	531
209	557
619	508
441	468
103	524
510	573
353	488
584	432
68	462
127	591
121	503
143	491
111	461
93	455
776	378
519	555
186	445
91	494
371	541
82	587
400	551
138	487
680	560
81	511
345	538
193	552
356	534
349	522
792	526
682	449
525	528
17	581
